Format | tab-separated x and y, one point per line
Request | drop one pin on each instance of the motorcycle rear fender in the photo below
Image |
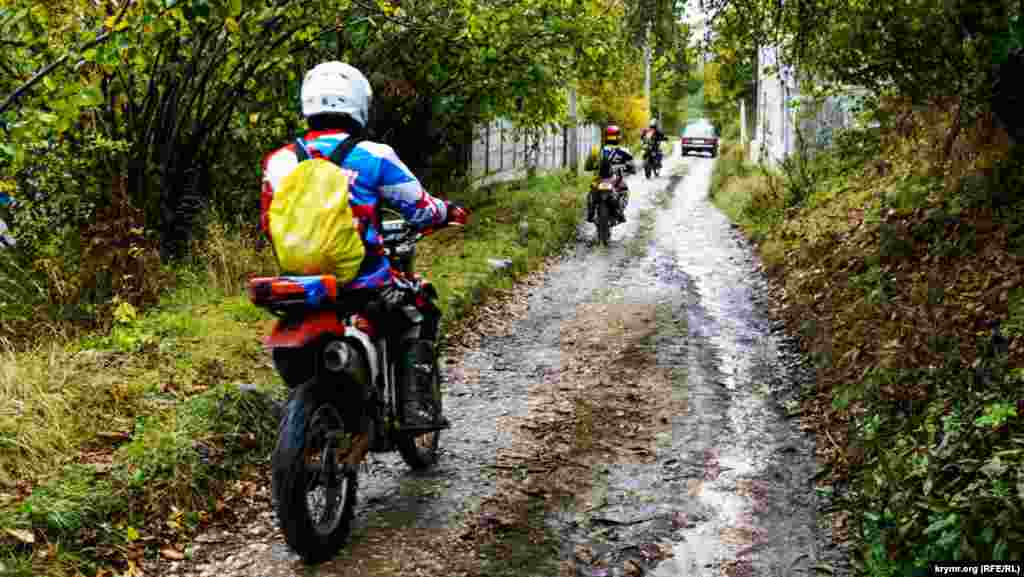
291	334
368	349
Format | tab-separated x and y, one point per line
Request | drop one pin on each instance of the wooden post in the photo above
743	121
487	150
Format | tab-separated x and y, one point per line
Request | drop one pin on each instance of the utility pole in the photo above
743	121
573	134
647	68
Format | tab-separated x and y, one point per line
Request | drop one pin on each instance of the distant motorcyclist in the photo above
652	131
614	156
653	135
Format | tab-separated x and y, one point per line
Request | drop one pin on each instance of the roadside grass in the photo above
907	294
458	261
751	196
116	447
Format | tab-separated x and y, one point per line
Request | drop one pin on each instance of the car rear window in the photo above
699	131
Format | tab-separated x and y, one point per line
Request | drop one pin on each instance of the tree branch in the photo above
14	96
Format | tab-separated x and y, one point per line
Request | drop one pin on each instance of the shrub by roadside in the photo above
907	294
117	446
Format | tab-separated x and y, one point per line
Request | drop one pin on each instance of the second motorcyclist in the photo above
613	157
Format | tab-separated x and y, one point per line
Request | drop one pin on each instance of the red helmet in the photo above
611	134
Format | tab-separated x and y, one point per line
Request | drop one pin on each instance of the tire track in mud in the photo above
614	415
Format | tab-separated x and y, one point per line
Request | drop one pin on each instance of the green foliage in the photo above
996	415
670	84
550	205
617	99
924	49
937	481
1014	325
63	508
747	193
1000	187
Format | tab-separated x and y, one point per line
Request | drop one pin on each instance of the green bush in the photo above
940	479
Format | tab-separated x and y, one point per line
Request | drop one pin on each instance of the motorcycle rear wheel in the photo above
603	222
419	450
306	468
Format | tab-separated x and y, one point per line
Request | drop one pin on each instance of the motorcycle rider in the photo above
336	99
613	155
654	135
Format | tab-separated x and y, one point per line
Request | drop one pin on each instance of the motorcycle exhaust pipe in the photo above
338	356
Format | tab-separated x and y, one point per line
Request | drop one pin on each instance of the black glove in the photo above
395	296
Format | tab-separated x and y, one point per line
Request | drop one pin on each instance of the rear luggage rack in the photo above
288	291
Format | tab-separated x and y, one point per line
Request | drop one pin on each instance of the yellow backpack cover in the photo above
311	222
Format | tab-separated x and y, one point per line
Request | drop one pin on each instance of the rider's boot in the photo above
416	381
622	204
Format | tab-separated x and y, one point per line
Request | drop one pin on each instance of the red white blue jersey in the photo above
376	174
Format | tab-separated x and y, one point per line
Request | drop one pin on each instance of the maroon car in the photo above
699	136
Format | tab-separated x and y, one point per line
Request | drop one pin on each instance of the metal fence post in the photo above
515	152
547	143
553	161
566	148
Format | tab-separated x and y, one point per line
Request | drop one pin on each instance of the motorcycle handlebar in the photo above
400	231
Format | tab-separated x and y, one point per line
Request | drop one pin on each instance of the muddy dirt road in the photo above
620	413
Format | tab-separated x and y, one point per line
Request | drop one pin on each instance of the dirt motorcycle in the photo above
344	402
652	158
608	197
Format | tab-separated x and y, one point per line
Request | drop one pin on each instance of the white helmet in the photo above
654	122
336	88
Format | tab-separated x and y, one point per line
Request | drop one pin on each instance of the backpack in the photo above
310	219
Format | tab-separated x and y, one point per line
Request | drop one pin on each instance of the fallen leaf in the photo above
632	569
584	554
249	441
173	554
22	535
679	520
656	551
114	435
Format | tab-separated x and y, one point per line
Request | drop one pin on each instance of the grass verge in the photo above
116	447
907	295
459	262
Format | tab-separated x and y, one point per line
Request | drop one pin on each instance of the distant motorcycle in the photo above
608	197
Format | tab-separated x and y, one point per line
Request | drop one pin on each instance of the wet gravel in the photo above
729	492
